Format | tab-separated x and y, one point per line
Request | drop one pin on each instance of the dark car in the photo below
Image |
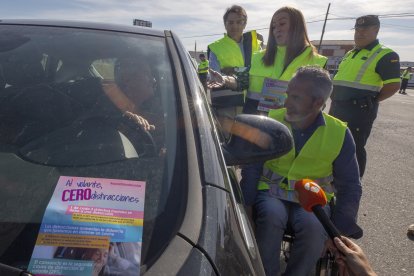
96	118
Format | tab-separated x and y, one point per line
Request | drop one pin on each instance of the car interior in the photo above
56	120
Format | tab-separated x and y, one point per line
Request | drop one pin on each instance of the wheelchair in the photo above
326	265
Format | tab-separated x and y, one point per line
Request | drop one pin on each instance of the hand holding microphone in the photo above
312	198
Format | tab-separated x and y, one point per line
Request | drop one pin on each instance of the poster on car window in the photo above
91	226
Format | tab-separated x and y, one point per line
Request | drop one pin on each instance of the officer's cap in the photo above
366	21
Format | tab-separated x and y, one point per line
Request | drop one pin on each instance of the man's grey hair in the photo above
319	80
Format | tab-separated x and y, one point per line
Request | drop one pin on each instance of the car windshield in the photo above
87	107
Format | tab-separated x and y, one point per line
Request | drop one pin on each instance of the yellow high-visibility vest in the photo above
203	67
259	72
229	55
228	51
314	161
406	75
359	71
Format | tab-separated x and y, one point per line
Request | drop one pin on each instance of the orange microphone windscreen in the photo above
309	194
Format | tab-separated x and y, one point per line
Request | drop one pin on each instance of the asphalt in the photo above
387	204
387	207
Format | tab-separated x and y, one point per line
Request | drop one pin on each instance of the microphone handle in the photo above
326	221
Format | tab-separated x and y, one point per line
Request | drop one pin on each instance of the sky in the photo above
199	23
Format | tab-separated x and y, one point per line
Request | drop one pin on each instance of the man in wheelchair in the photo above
324	151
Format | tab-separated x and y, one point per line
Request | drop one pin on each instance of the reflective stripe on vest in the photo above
259	72
314	161
277	187
359	71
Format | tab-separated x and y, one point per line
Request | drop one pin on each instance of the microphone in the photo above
312	198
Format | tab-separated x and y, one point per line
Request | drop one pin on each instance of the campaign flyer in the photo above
272	87
91	226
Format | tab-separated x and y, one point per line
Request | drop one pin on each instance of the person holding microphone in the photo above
350	258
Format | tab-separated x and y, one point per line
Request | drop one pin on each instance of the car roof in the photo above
84	25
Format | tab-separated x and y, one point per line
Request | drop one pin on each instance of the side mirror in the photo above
256	138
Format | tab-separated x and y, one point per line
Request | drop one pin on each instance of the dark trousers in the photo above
203	80
360	115
404	84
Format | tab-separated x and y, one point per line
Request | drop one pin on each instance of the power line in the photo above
194	36
391	15
398	26
312	17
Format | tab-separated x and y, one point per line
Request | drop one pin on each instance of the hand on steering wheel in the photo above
140	121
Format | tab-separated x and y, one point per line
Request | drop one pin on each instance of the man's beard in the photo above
297	118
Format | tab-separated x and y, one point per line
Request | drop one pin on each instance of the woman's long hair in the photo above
297	41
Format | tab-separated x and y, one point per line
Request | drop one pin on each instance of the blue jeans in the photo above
272	217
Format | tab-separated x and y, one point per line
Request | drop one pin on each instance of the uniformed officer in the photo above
367	75
203	70
405	77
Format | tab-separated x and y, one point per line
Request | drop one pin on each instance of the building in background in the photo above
334	50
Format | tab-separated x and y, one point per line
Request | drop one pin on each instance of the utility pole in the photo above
323	29
195	49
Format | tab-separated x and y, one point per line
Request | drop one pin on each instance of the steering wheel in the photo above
96	139
140	138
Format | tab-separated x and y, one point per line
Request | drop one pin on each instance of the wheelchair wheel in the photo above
285	247
327	266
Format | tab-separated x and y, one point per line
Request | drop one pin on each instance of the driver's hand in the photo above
139	120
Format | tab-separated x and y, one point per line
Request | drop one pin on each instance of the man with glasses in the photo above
232	55
367	75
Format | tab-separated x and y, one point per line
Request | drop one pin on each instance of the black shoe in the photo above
410	231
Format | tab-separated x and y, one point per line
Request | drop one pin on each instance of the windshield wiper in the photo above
6	270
